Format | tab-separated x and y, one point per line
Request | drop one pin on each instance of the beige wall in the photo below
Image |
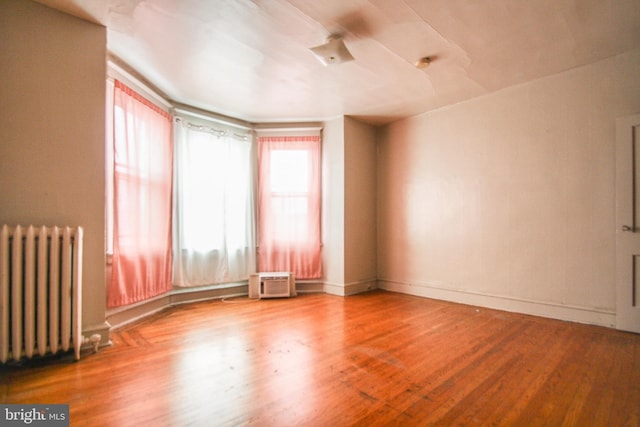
52	159
360	206
508	200
348	206
333	205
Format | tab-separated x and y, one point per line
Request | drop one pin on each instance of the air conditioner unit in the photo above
272	285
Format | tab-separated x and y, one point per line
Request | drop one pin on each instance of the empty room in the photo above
336	213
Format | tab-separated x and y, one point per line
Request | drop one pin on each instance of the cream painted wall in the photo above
508	200
333	206
52	155
348	206
359	206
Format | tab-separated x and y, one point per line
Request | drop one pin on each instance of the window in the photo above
289	182
182	200
142	181
289	205
214	210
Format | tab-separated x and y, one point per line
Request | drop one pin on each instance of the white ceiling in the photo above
250	59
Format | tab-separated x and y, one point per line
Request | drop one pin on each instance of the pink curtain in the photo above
143	162
289	205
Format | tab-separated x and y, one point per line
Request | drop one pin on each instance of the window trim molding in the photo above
296	129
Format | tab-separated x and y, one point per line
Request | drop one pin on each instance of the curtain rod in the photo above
211	130
211	117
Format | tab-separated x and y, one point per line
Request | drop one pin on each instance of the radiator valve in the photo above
95	341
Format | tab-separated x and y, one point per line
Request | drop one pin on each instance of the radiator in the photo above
40	291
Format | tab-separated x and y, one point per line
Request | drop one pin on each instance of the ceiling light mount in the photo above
334	51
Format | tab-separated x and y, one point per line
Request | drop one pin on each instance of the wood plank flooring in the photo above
373	359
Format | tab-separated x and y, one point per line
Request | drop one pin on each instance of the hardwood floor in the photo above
319	360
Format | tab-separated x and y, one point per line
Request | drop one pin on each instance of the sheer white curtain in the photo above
214	219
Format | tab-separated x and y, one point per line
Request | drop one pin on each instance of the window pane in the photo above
203	192
289	205
214	192
289	171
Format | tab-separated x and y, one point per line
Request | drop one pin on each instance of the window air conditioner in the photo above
272	285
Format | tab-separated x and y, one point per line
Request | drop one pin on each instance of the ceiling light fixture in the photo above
423	63
334	51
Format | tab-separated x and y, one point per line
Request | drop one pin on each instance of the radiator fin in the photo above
40	291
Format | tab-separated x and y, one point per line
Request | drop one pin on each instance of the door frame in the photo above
627	223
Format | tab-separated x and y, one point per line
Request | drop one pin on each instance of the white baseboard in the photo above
351	288
309	287
120	317
551	310
124	315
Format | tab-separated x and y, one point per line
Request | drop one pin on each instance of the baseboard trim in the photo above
122	316
536	308
125	315
182	296
351	288
309	287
